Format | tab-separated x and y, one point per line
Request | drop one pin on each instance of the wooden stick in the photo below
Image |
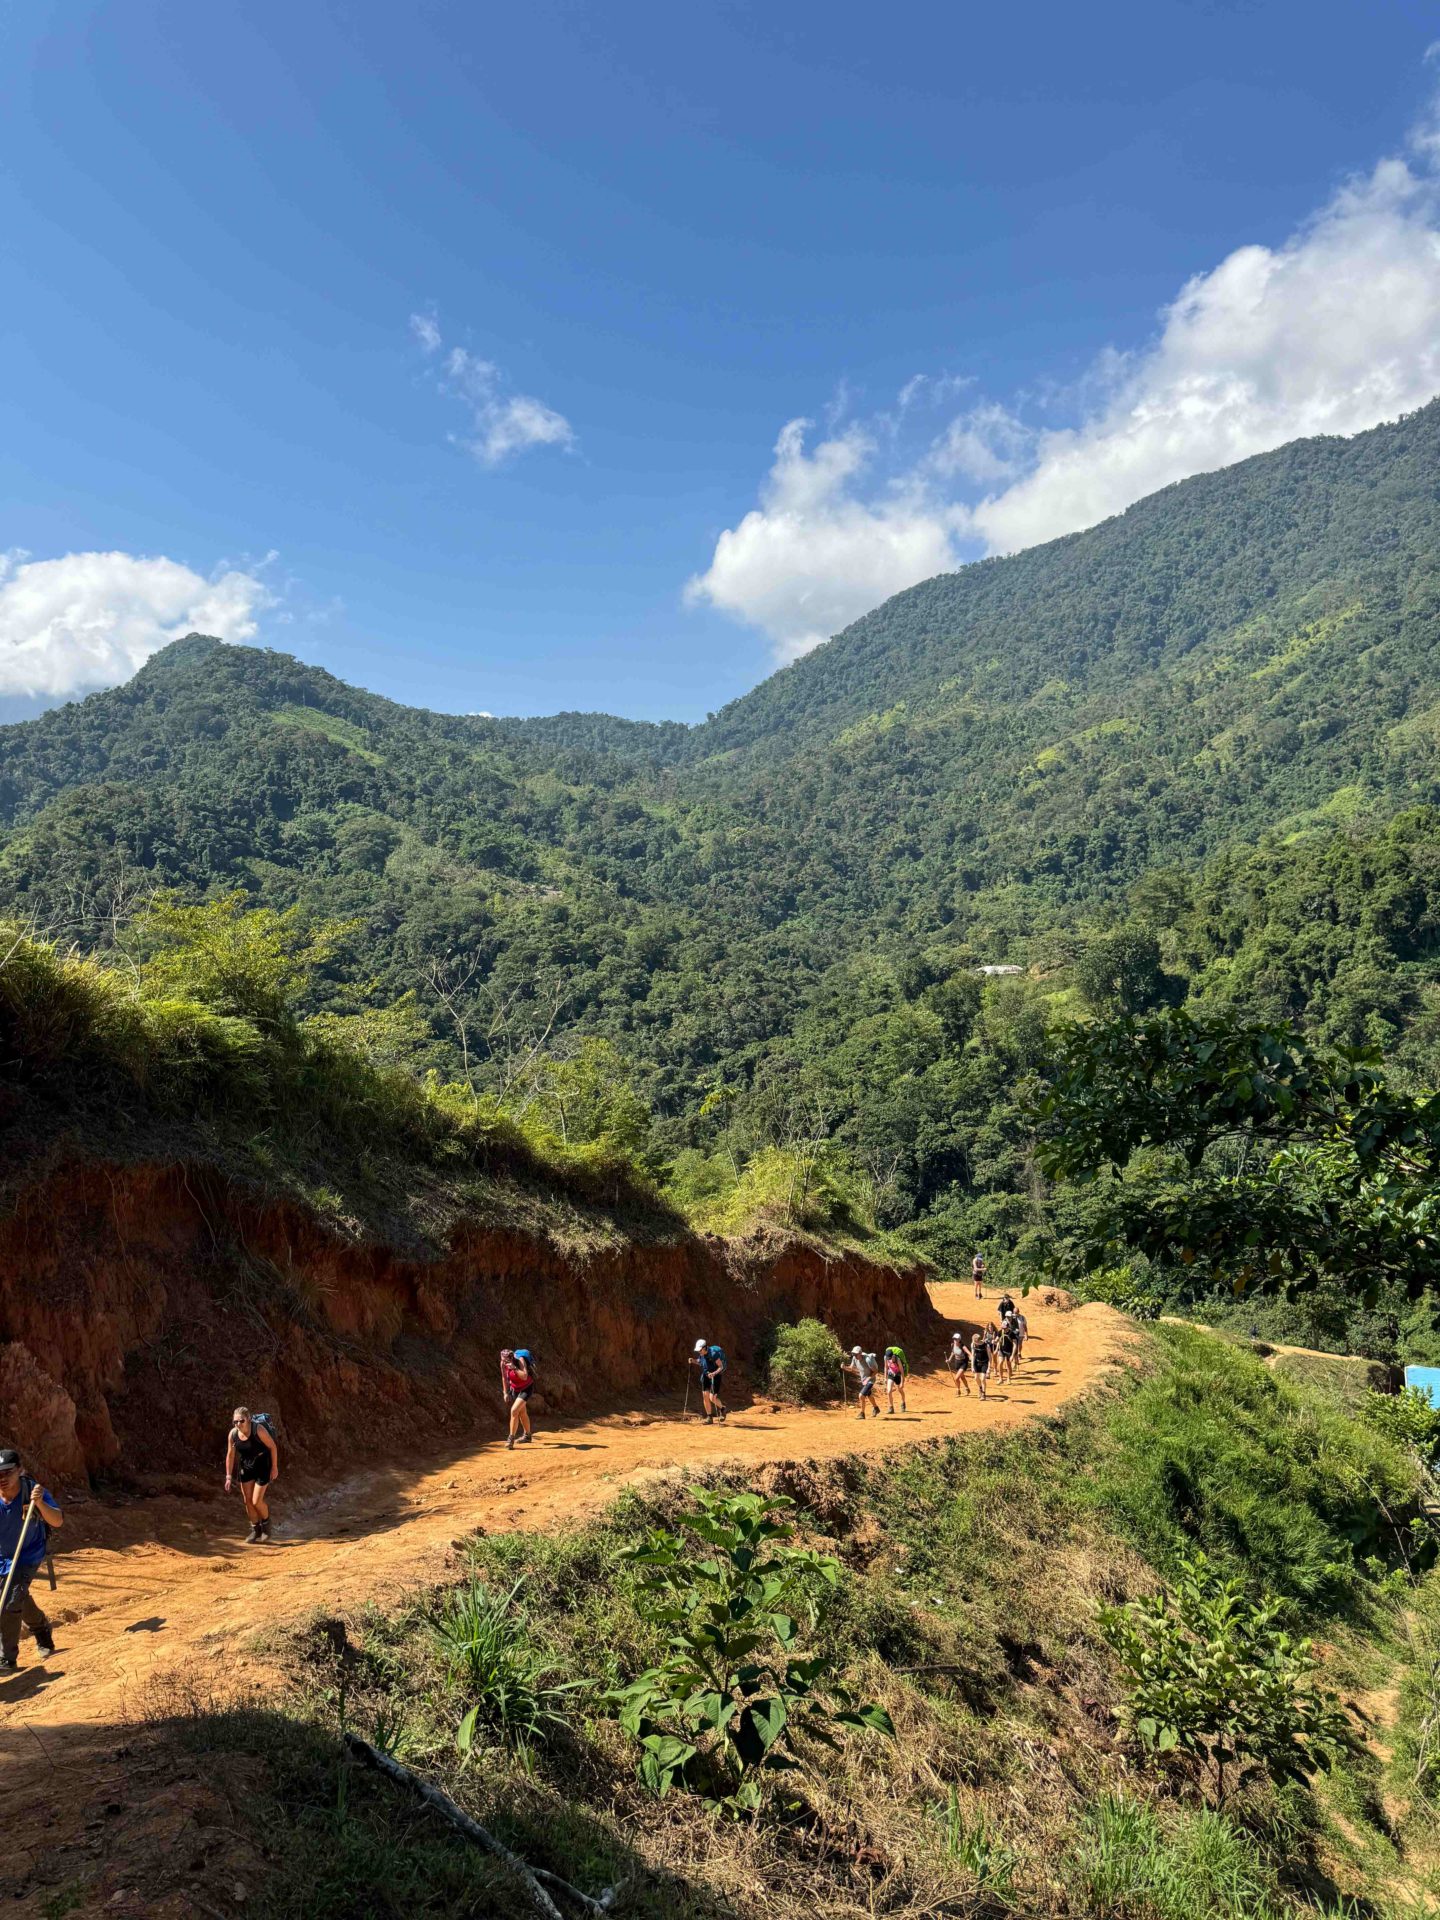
473	1830
15	1557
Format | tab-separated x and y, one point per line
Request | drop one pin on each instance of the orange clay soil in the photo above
165	1581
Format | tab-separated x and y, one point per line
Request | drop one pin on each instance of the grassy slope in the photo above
972	1575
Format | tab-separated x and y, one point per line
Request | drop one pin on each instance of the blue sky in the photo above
446	346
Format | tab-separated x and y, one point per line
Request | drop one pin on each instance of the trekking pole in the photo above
15	1557
686	1414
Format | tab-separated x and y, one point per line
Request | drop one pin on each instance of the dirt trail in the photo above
165	1580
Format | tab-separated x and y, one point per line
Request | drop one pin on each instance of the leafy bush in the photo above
724	1708
484	1641
1408	1419
1121	1288
1216	1679
804	1362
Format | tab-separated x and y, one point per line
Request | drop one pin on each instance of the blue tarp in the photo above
1427	1379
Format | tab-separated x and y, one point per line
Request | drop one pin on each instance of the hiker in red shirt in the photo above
517	1372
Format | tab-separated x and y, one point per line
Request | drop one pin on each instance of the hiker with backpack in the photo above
29	1513
864	1366
517	1373
958	1361
1020	1328
1003	1340
980	1360
710	1359
251	1453
977	1274
897	1371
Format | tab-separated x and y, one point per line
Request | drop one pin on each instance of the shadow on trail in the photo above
173	1802
29	1682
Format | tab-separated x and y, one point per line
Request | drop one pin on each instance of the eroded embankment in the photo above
142	1302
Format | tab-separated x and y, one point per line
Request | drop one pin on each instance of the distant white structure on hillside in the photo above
993	970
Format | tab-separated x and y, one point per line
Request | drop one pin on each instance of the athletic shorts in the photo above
253	1477
867	1389
522	1393
712	1383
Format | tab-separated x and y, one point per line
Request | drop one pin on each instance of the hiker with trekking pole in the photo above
864	1366
251	1453
517	1376
958	1361
29	1513
710	1360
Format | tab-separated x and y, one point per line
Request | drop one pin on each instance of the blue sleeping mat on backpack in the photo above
1427	1379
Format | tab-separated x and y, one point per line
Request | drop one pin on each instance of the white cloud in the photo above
501	423
812	556
91	619
426	330
1334	330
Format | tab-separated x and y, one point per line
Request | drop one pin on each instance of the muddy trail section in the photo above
161	1582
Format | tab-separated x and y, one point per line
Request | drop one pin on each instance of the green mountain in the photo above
994	766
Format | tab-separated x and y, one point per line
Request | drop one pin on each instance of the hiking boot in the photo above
510	1443
253	1535
264	1529
708	1421
8	1666
861	1414
523	1439
45	1649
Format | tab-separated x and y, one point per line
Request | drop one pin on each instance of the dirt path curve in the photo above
164	1581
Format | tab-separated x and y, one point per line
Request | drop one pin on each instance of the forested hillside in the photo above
1193	751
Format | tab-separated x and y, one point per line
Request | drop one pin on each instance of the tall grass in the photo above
1192	1865
489	1657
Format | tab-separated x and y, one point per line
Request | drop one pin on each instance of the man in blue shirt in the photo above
19	1564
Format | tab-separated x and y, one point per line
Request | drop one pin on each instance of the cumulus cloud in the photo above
1336	330
813	554
1333	330
91	619
502	423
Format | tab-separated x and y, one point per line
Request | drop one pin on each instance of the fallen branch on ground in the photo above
472	1830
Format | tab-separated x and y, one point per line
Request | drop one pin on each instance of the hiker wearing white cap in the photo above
710	1359
958	1361
864	1366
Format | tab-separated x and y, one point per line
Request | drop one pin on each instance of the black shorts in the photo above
867	1389
712	1383
522	1393
254	1476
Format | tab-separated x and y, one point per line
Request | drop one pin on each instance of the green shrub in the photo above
722	1710
485	1643
805	1362
1409	1419
1217	1681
